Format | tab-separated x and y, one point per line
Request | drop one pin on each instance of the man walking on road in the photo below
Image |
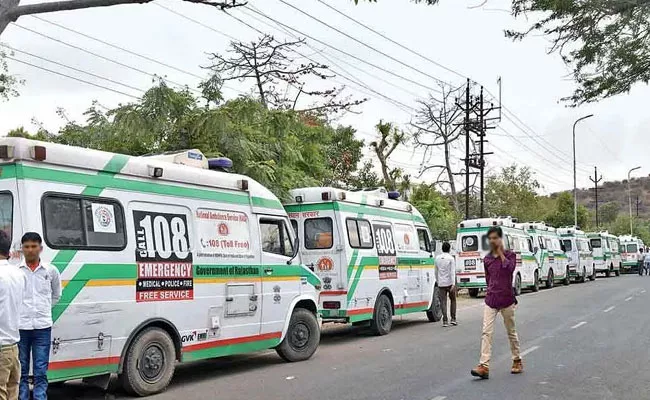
499	268
43	292
12	289
646	263
446	278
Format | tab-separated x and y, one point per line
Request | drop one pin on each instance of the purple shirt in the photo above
498	276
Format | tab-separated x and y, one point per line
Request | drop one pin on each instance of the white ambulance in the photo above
631	253
373	253
607	257
160	262
553	265
578	251
472	238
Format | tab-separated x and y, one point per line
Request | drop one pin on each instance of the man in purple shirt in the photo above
499	266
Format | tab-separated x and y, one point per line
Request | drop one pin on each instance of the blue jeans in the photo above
34	343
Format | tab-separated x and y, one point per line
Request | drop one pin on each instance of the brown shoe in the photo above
481	371
517	366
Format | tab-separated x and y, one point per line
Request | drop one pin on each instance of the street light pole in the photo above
575	185
629	196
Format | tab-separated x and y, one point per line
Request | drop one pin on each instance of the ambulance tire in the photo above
518	285
434	313
567	277
536	282
149	363
593	274
302	338
618	271
382	317
583	277
473	292
608	273
550	280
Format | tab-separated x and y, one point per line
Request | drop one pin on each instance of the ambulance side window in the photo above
359	233
319	233
81	222
423	238
275	237
530	245
6	213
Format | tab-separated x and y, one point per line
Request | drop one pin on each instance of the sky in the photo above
176	37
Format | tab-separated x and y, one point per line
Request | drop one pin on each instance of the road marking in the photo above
629	298
579	324
528	351
439	398
609	309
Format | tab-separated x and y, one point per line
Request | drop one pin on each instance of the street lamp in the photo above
629	195
575	185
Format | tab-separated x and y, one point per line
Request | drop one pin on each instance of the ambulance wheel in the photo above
517	285
617	272
608	273
434	313
473	292
593	274
536	282
382	319
302	338
550	280
149	363
567	277
584	276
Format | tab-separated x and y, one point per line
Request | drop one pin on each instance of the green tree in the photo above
563	214
513	192
390	137
8	83
608	212
343	154
440	216
605	42
366	177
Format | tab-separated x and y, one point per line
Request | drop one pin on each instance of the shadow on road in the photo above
198	371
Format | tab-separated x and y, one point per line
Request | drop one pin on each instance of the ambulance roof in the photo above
374	198
570	231
536	226
19	149
488	223
601	234
629	238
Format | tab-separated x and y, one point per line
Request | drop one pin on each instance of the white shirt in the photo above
446	270
43	291
12	289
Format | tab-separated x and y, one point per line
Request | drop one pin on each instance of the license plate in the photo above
464	280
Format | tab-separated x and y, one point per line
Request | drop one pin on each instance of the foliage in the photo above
436	210
606	42
513	192
366	177
275	147
608	213
563	214
8	83
390	137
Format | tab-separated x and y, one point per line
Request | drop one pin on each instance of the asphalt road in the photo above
585	341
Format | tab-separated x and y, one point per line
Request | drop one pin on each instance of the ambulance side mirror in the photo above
535	250
433	246
296	248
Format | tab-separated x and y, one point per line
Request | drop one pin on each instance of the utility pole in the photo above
467	109
596	180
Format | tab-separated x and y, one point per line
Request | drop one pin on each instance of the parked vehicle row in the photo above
545	255
171	258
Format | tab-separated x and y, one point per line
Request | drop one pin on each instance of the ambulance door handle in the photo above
268	271
229	298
